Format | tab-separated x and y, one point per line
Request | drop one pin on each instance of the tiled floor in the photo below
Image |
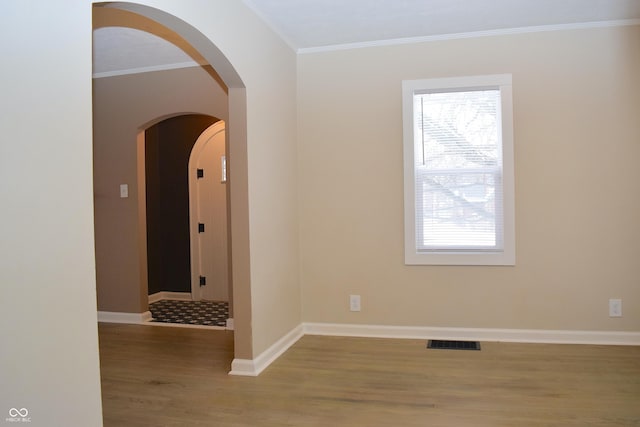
206	313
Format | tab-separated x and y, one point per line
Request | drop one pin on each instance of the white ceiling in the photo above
311	25
122	50
307	24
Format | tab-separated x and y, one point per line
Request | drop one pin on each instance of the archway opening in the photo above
237	169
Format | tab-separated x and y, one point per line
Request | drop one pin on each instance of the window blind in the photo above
458	170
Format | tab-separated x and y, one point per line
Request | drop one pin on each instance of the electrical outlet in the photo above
354	302
615	308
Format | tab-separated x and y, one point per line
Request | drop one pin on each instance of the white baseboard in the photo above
475	334
247	367
253	368
243	367
131	318
179	296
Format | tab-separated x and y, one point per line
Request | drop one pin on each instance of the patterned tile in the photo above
207	313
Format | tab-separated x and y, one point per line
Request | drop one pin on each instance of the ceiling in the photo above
125	43
308	24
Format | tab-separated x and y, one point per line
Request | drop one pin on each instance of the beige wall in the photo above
577	100
48	335
123	107
577	143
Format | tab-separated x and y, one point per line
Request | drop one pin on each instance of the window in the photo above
458	161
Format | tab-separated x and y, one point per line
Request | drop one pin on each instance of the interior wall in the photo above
168	147
47	229
576	101
123	106
48	332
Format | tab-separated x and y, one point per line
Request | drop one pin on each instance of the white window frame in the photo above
505	256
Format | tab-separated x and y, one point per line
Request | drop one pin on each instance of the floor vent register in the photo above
453	345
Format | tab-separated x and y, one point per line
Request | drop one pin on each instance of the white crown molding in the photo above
253	368
474	34
163	67
475	334
130	318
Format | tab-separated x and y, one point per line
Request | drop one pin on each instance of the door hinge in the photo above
200	173
200	227
203	281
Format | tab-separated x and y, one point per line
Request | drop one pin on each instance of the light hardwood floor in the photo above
161	376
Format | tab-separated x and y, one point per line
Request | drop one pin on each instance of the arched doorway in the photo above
237	166
168	149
